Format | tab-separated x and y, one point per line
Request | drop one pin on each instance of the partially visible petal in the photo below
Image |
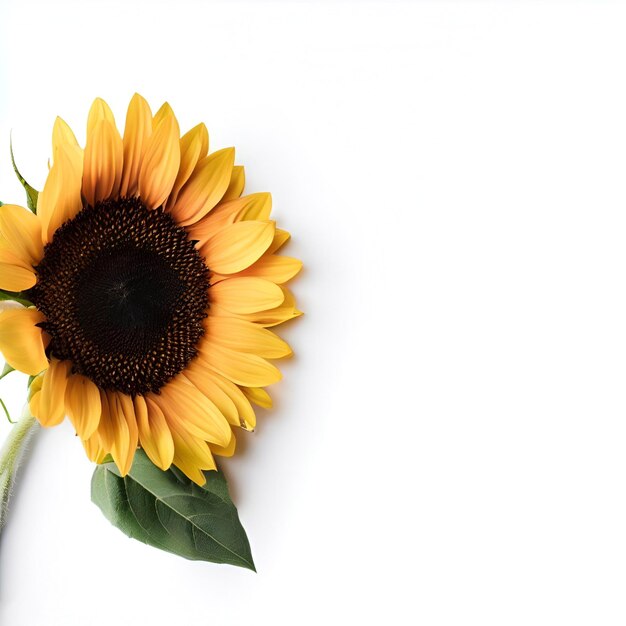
21	341
247	417
191	455
60	199
194	146
236	247
93	448
137	133
104	162
83	405
125	431
205	188
154	434
34	393
243	336
259	396
201	377
160	163
236	185
229	450
106	426
256	206
283	313
165	110
182	401
51	409
241	368
246	295
281	237
21	231
64	140
15	275
275	268
99	111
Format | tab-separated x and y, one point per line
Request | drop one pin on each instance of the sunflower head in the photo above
153	285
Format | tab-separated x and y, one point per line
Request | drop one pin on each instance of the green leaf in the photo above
31	193
7	370
168	511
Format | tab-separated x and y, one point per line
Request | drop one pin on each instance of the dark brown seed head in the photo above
124	293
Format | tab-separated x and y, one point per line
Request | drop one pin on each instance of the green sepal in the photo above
17	297
168	511
31	193
6	370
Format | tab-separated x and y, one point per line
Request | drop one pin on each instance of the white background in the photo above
449	444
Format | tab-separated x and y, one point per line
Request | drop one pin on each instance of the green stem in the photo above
11	456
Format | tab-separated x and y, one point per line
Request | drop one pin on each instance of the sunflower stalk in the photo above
11	456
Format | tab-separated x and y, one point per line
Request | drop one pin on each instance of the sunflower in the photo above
149	285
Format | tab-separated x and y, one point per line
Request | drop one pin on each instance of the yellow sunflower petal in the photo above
281	237
189	448
104	161
275	268
236	247
200	376
182	401
64	140
137	133
246	295
190	451
165	110
15	275
21	341
229	450
259	396
188	468
247	416
83	405
60	199
272	317
126	433
99	111
236	185
21	231
192	456
154	434
93	448
243	336
194	146
160	163
106	426
242	368
205	187
51	408
34	393
256	206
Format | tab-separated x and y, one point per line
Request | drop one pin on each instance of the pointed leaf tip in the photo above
168	511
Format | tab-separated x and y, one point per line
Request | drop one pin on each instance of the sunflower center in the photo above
124	293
